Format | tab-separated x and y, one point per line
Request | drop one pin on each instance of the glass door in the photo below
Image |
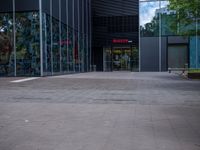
121	59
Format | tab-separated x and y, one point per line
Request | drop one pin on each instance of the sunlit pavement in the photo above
100	111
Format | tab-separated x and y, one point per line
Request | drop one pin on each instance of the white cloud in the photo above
147	10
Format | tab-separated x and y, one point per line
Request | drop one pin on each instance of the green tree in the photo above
187	16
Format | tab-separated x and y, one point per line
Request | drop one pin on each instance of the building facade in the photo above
51	37
54	37
115	35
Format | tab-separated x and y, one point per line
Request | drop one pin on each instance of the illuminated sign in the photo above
121	41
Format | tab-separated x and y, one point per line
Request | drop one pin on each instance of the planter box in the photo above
194	75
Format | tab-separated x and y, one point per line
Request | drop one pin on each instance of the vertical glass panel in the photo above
70	49
85	54
107	58
76	52
168	20
47	63
134	58
149	19
64	43
81	52
6	45
27	44
56	46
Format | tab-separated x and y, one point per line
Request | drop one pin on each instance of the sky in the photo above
147	10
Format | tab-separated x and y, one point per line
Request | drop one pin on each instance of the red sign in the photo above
65	42
120	41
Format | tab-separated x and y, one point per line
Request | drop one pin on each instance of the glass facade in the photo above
49	38
168	26
6	45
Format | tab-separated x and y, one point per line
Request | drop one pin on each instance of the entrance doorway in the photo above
121	58
118	58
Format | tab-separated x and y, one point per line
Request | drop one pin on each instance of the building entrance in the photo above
118	59
121	57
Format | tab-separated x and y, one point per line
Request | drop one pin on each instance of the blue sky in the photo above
147	10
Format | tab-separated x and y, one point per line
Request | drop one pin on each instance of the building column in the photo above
41	39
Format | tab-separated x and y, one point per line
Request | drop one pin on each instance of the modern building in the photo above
115	35
54	37
51	37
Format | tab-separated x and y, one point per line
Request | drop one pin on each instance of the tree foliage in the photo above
187	15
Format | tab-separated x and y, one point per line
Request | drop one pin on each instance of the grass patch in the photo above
194	71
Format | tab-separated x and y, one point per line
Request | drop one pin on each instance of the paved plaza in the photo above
100	111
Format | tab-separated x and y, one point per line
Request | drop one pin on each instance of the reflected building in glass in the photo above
51	37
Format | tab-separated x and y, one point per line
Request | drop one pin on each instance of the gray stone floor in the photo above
101	111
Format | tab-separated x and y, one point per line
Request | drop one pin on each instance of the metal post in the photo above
51	19
41	39
83	32
73	28
79	36
197	58
140	60
67	36
14	40
60	50
160	40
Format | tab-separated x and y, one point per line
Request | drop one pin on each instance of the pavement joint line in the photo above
24	80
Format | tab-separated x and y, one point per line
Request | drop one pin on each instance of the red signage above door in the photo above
121	41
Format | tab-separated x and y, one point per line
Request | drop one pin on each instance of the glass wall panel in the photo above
81	52
149	19
56	46
27	44
47	51
6	45
168	20
64	43
70	50
85	54
76	52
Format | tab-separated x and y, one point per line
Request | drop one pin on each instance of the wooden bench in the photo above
177	69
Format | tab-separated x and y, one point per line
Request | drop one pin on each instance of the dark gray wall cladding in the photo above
115	7
55	7
6	6
76	14
63	11
70	16
46	6
85	15
81	14
164	54
177	40
26	5
150	54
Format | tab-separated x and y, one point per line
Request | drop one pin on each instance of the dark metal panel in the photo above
149	54
178	40
115	7
63	11
6	6
46	6
70	14
164	54
55	7
76	14
27	5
